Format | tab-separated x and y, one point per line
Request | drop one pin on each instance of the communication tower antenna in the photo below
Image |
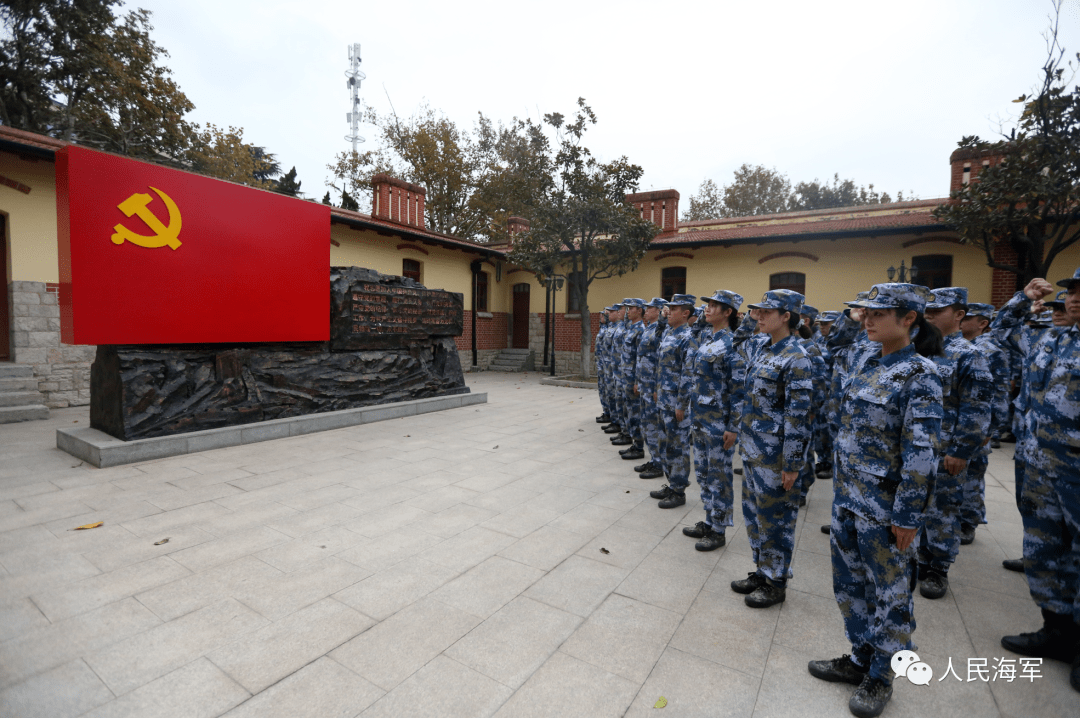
353	83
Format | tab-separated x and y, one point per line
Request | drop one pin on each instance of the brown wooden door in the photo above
521	316
5	333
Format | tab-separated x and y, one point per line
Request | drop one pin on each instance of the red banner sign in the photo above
152	255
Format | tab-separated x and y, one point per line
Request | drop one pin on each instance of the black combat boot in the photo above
967	534
653	472
603	419
696	531
622	440
643	467
1057	639
673	500
1014	564
934	584
751	583
612	429
711	541
633	453
838	670
765	595
870	698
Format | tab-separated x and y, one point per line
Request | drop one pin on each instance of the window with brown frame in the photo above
933	270
672	282
411	269
481	291
795	281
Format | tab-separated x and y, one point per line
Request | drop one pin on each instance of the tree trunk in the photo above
586	335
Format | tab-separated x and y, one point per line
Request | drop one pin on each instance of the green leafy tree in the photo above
474	180
584	223
841	193
708	203
326	198
1028	199
50	49
288	184
222	153
757	190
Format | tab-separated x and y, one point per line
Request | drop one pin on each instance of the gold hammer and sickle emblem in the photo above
163	236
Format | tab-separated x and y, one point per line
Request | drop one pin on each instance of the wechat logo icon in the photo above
908	665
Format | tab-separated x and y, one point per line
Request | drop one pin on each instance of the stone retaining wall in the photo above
62	370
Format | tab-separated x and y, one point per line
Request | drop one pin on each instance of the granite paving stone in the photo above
497	559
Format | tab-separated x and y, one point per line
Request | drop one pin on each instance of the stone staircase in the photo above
513	360
20	399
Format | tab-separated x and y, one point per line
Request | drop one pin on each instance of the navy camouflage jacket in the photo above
718	384
967	390
886	447
778	384
675	361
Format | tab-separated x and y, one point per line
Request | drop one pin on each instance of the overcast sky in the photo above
879	92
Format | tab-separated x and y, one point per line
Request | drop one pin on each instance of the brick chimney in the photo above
967	163
397	201
515	226
661	207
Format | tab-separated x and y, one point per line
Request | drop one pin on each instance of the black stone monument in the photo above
390	340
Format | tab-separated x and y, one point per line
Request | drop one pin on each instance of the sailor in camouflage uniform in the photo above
974	327
774	439
890	418
717	383
1050	447
602	337
613	369
645	375
628	351
818	398
674	383
967	392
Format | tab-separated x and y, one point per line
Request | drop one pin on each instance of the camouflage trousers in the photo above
652	428
939	539
604	389
823	440
770	513
632	404
973	507
806	478
677	448
615	404
872	581
1051	514
712	467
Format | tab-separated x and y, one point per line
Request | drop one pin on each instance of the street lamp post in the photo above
554	283
904	273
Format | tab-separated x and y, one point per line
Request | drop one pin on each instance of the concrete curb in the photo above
101	450
563	381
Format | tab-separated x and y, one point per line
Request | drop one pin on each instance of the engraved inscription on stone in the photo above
380	309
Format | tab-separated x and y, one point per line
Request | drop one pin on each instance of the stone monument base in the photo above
146	391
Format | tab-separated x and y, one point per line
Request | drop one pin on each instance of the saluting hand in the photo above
1037	289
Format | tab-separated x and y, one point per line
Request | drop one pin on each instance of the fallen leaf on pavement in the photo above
661	703
164	540
604	550
88	526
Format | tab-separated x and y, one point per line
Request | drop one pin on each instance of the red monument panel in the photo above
152	255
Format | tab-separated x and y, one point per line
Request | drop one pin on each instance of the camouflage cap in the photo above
613	308
639	303
683	300
658	302
1042	319
809	311
948	297
895	295
784	300
725	296
976	309
1071	280
1058	302
828	317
